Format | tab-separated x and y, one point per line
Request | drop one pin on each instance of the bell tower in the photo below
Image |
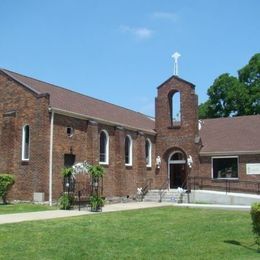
176	123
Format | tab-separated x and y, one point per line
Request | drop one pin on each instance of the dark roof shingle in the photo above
74	102
231	135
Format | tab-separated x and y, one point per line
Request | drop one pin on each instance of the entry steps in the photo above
171	195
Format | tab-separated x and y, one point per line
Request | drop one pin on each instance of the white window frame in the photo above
106	162
23	143
149	164
224	157
130	151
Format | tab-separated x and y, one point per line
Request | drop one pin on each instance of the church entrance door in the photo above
177	170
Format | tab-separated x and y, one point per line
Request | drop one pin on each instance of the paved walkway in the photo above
51	214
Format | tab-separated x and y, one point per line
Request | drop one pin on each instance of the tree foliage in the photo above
232	96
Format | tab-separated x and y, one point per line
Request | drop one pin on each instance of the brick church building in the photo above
44	127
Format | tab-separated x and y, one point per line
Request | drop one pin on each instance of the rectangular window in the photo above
224	167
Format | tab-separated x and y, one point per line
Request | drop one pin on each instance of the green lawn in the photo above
22	207
161	233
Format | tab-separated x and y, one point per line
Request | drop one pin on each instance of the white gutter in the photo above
81	116
50	158
229	153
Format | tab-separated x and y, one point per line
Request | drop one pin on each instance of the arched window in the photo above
26	143
104	147
148	152
177	157
175	109
128	150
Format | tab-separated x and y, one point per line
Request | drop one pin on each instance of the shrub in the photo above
67	171
6	181
255	216
65	201
96	203
96	171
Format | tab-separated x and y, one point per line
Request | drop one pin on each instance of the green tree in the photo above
231	96
250	76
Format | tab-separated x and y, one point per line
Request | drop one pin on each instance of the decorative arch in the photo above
177	156
104	147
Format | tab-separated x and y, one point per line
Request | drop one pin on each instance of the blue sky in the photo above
120	51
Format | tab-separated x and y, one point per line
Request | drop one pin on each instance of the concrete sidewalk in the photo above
51	214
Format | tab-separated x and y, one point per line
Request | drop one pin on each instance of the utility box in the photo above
38	196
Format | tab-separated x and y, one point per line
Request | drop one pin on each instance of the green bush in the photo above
65	201
6	181
96	171
96	203
67	171
255	216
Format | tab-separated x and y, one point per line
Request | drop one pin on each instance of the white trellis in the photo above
79	168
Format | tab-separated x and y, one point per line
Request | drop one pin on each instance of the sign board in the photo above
253	168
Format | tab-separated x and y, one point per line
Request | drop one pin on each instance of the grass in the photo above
161	233
23	207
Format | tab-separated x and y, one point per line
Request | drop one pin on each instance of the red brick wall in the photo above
119	180
30	109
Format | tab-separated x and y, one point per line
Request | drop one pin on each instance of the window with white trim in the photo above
128	150
26	143
148	152
104	147
224	167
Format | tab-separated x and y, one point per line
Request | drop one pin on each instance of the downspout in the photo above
50	158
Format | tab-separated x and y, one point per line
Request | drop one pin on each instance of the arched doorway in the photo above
177	170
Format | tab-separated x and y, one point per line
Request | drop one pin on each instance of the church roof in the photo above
66	100
232	135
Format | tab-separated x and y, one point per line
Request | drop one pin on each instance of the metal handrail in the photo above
163	188
227	185
146	187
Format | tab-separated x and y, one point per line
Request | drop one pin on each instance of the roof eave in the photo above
32	90
99	120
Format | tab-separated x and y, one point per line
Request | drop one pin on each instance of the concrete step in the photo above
166	196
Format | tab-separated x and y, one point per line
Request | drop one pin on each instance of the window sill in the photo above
221	179
104	163
174	127
129	166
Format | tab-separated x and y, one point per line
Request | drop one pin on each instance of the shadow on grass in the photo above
237	243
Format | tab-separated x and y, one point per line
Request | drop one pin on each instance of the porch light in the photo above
158	162
190	161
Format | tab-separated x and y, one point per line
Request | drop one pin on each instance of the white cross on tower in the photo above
176	56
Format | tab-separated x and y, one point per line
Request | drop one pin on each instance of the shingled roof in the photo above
235	135
76	103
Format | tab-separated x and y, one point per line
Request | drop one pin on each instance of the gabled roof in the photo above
66	100
232	135
178	79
